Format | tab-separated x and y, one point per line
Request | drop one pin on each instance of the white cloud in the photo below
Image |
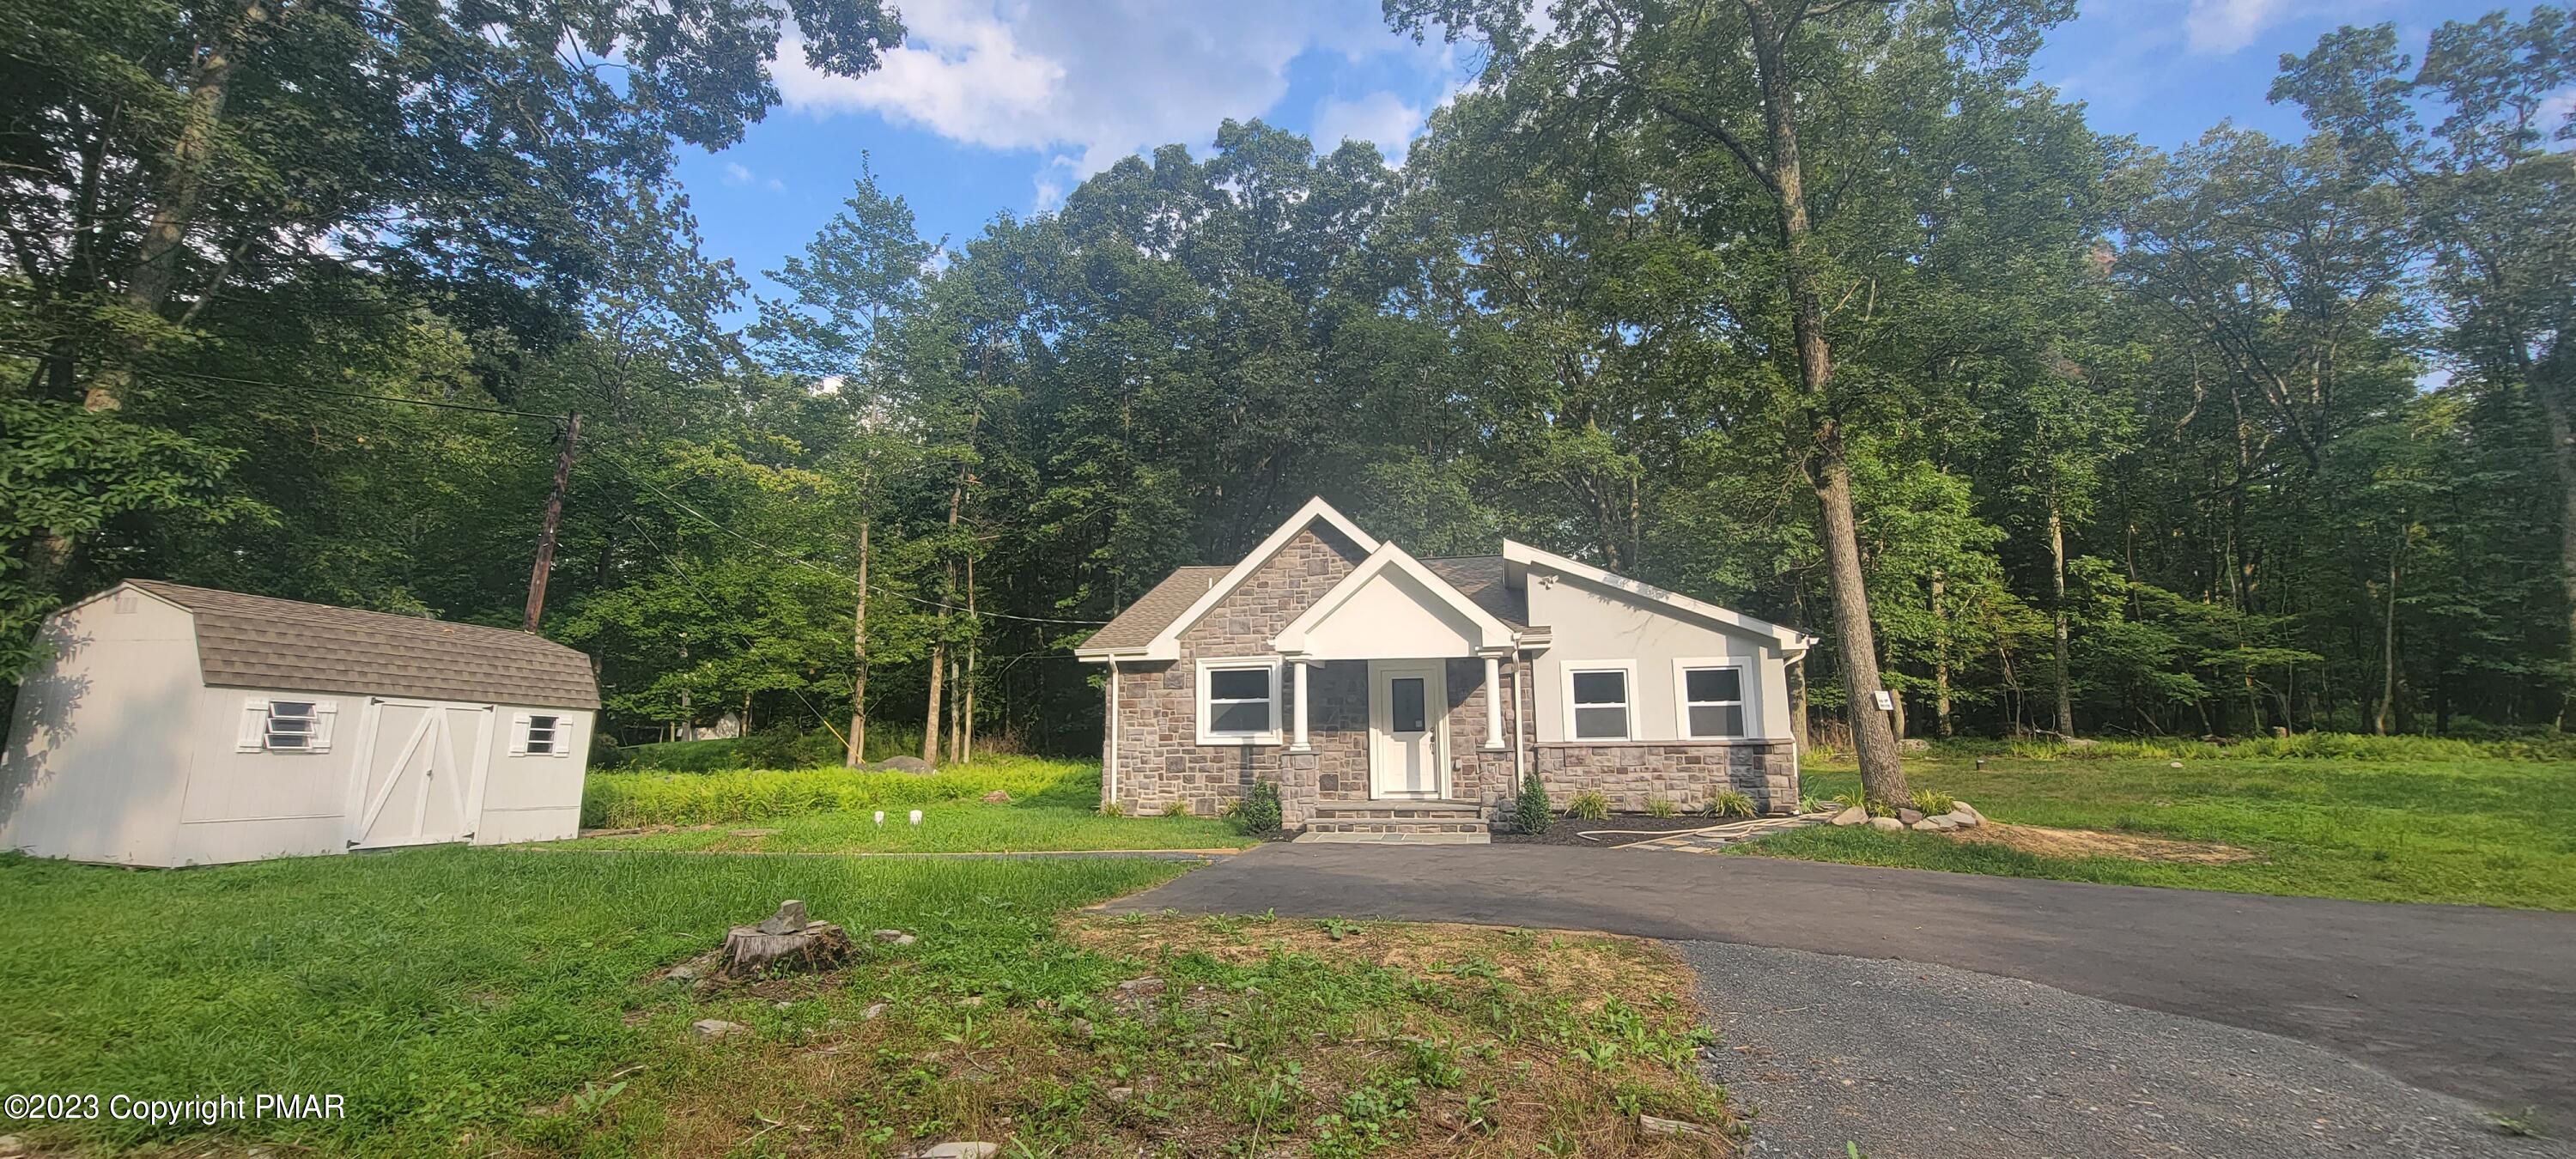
1091	82
2222	27
736	173
1381	118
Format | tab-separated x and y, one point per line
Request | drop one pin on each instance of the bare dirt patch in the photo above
2044	842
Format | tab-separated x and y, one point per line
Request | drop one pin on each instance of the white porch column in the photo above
1493	705
1300	746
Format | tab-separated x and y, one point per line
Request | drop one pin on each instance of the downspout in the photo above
1520	771
1797	657
1109	760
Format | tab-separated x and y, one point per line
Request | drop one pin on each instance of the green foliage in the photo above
1730	803
1257	813
1588	805
1933	802
1531	812
1176	808
1661	807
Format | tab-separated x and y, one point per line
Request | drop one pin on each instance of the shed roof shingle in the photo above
262	642
1156	609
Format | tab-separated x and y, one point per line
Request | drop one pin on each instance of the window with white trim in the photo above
279	725
1597	698
1712	702
1238	701
543	734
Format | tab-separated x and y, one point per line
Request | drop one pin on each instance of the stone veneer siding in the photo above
1688	774
1159	760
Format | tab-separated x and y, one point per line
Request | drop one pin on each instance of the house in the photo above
1393	698
185	726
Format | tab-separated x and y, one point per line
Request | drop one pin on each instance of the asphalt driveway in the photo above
2475	1003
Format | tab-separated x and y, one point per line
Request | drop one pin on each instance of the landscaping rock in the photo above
789	919
717	1028
893	937
997	797
1963	819
1940	824
1909	816
1852	816
1886	824
875	1010
1652	1125
1964	809
963	1151
904	765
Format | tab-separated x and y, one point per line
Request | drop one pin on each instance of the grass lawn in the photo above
1054	805
2467	829
503	1002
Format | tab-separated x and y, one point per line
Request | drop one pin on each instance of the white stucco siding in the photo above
1592	623
1392	617
98	753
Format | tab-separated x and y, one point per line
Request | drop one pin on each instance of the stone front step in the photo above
1397	823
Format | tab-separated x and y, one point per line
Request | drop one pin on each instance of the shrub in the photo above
1176	809
1109	808
1659	807
1589	805
1730	803
1531	813
1933	802
1258	812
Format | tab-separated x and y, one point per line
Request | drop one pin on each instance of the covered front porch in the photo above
1406	711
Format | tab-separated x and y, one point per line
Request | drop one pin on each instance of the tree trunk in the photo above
2057	582
156	259
2549	388
2388	644
1798	704
856	753
1882	775
930	722
939	645
1942	723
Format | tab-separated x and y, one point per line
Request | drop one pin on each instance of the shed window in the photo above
291	726
270	725
1600	700
1712	702
1239	702
542	734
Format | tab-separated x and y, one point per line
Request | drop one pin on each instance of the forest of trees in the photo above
1823	309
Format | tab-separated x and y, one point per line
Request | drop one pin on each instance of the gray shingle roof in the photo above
247	641
1480	579
1156	609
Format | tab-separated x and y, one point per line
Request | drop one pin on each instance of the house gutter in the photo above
1520	772
1109	760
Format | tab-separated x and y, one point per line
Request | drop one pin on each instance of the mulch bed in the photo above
1567	830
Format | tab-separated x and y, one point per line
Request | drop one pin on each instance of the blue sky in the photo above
1003	105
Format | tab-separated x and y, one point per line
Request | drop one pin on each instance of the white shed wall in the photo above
98	752
1591	622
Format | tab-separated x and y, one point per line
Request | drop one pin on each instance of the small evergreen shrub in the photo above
1589	805
1659	807
1531	813
1258	812
1730	803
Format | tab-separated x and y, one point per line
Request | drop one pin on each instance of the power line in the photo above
808	564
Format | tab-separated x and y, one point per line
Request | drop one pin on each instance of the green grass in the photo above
623	799
445	991
1054	805
480	1002
2471	829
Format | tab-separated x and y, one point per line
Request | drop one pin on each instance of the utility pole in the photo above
546	530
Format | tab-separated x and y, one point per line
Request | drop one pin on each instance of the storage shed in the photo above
186	726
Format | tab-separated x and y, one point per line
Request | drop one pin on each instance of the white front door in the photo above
419	773
1405	702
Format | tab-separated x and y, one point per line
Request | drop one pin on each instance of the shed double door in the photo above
418	776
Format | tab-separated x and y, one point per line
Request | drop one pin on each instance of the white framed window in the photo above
1597	700
541	734
276	724
1238	700
1709	697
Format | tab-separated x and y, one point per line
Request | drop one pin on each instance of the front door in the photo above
1405	699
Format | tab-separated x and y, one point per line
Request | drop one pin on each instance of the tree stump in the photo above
786	941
